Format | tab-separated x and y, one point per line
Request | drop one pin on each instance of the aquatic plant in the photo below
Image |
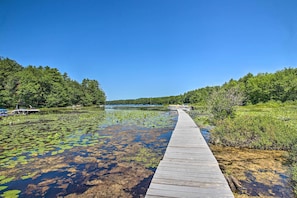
23	137
269	125
34	145
146	119
28	176
5	180
3	187
11	194
146	157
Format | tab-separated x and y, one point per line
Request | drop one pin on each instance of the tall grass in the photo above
271	125
255	131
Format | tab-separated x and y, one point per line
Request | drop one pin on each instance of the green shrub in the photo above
222	103
200	116
293	156
294	177
270	125
260	132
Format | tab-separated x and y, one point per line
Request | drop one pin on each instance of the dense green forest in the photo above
263	87
44	87
158	100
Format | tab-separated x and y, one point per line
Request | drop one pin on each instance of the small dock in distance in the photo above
188	168
25	111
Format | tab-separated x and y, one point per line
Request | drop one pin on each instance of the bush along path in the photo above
268	126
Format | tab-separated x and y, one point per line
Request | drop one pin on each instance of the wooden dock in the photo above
25	111
188	168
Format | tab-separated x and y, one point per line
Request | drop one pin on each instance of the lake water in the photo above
262	173
111	153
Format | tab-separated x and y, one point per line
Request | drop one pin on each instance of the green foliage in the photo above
44	87
199	96
201	116
280	86
93	95
158	101
293	160
294	177
261	132
270	125
293	156
8	68
194	97
265	126
263	87
222	102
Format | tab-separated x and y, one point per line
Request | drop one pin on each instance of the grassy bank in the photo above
266	126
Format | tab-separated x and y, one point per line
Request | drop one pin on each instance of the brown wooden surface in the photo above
188	168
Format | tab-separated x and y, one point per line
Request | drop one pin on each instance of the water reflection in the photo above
206	134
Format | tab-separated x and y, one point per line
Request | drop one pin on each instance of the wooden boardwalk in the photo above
188	168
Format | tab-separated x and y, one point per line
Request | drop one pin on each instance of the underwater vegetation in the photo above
78	145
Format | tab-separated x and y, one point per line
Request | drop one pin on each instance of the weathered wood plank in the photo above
204	169
164	190
188	168
194	165
191	183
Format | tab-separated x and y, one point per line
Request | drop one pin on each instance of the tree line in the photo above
146	101
44	87
263	87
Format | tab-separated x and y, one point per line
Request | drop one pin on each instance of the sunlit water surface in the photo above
110	155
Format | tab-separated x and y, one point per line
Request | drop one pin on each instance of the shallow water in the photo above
115	159
261	173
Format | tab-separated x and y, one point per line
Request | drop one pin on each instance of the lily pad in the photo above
11	194
28	176
6	180
3	187
100	135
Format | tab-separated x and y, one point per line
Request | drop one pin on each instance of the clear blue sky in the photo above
151	48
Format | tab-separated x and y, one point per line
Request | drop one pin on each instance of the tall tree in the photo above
93	95
44	87
8	70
